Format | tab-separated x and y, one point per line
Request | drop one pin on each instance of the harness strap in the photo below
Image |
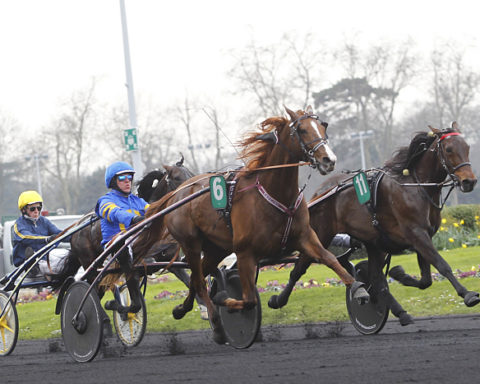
290	212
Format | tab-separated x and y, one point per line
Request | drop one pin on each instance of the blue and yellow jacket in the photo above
116	211
29	233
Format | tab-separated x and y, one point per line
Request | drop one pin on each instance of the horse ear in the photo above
180	163
309	110
292	114
269	136
455	126
434	130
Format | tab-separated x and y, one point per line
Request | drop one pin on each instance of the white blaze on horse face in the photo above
329	152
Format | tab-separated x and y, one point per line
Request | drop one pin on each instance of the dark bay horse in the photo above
269	215
86	244
406	214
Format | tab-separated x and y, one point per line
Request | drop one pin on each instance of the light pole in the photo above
361	135
130	135
36	158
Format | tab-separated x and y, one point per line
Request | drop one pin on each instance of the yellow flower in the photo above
442	228
455	225
464	245
473	268
477	217
325	284
478	236
444	221
462	222
451	240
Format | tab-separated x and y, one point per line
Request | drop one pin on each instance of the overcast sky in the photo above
51	48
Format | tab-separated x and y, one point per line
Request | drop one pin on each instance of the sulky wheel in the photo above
240	327
82	335
130	327
368	318
8	325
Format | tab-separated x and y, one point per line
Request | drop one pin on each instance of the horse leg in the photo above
184	277
399	274
247	270
422	243
301	266
312	247
379	285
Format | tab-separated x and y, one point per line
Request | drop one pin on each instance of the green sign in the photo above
361	187
218	192
130	139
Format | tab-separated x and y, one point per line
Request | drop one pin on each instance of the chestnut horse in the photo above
406	214
269	216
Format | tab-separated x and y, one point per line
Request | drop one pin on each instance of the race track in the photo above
433	350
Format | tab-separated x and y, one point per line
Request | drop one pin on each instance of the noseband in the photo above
319	142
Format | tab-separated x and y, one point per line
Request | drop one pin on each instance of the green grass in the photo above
37	319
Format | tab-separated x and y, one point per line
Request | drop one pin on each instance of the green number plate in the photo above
361	187
218	192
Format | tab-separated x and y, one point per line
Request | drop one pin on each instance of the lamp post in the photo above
361	135
130	135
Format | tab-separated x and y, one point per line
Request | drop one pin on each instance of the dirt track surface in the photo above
433	350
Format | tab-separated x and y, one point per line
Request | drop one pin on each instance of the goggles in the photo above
128	177
32	209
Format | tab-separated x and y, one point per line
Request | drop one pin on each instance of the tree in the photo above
454	87
66	142
277	74
366	97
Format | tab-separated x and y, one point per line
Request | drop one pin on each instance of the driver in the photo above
31	231
119	208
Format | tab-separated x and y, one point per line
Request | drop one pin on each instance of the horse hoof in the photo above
178	312
219	337
405	319
273	302
359	293
397	272
471	299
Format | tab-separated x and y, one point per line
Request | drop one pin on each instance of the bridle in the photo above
319	142
444	160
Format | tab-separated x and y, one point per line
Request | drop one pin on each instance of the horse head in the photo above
176	174
453	152
311	133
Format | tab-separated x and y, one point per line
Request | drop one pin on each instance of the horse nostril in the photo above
468	184
326	160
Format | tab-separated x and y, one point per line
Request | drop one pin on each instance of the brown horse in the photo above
405	214
268	217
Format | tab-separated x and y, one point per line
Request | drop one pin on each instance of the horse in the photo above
86	243
268	215
404	214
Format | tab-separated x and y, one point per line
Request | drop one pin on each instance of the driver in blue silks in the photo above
119	208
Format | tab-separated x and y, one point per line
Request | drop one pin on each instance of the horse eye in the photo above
449	149
301	130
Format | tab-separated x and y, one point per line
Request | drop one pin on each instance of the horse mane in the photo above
407	157
145	185
254	151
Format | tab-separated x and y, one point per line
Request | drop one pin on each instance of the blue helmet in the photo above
117	168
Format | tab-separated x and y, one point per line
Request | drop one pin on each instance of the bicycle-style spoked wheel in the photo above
130	327
8	325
